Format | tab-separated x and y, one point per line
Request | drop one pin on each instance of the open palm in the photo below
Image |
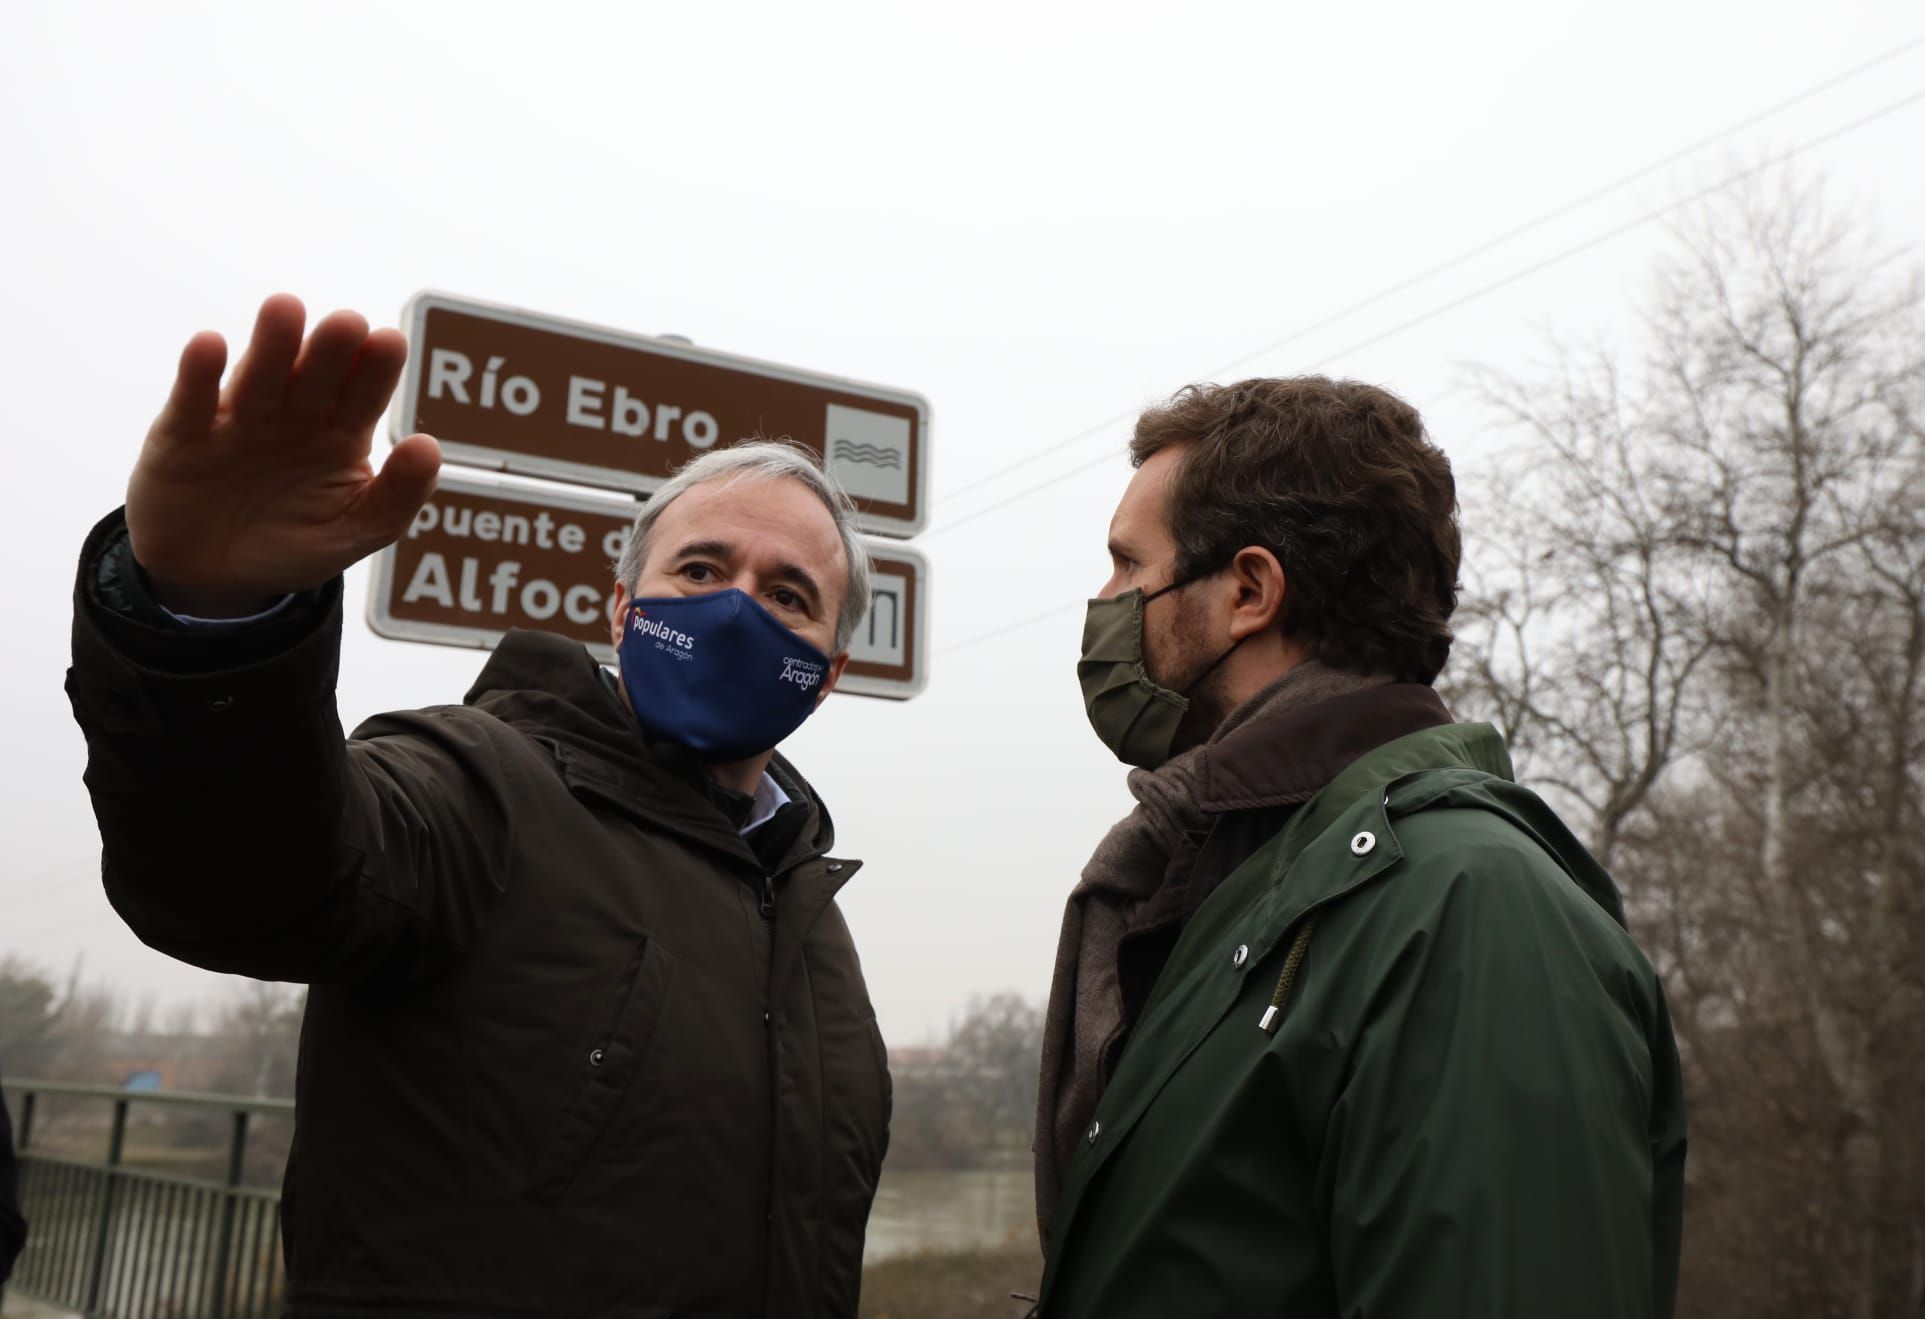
246	493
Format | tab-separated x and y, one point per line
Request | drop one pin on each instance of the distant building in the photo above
150	1062
910	1062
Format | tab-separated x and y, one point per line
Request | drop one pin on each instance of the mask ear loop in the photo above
1197	681
1177	585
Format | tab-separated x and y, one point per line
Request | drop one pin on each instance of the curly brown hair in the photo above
1340	481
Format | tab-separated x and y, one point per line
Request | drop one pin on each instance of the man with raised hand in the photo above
1345	1022
587	1034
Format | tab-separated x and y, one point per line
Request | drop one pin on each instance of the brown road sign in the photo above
889	654
542	396
484	556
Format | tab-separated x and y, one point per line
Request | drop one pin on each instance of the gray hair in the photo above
762	460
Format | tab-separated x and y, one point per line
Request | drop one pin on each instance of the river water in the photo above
939	1209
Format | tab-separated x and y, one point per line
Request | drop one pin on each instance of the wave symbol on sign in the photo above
871	455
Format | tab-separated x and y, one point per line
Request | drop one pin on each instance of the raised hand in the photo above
244	494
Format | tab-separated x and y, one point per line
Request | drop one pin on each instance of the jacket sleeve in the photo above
1494	1150
241	832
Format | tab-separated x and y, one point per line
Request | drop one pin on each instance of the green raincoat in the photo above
1466	1103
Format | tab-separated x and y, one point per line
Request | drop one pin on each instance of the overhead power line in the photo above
92	920
1469	253
1007	628
1617	231
49	881
1484	290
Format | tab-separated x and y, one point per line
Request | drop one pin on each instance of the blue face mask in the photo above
717	673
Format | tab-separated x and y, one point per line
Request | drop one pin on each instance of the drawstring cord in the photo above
1273	1015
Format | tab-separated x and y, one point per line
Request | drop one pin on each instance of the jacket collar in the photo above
1361	797
557	691
1358	798
1288	759
1277	760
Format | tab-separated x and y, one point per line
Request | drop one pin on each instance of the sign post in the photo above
542	396
484	556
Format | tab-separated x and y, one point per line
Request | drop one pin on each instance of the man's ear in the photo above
617	613
1258	582
836	666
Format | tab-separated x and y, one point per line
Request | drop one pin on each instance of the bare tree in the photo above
1583	627
994	1047
1786	348
1702	621
257	1030
27	1040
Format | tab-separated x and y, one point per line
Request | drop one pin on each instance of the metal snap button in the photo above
595	1058
835	867
1362	843
1095	1130
221	704
1240	955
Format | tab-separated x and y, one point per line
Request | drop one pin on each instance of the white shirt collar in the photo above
769	798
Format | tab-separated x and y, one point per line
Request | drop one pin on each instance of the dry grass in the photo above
972	1284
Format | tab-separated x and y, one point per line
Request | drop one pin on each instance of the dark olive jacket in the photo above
572	1046
1404	1061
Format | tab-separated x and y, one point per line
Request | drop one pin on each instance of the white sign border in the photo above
414	318
385	624
892	688
381	576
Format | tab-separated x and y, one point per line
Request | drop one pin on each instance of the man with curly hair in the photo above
1344	1022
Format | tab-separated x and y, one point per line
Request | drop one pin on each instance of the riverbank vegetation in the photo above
972	1284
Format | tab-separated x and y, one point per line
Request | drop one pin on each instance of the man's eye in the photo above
697	572
788	599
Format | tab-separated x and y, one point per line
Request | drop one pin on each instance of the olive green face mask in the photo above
1135	718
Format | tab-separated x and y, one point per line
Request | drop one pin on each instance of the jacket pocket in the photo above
607	1072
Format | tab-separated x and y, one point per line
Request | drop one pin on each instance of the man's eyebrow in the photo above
800	578
704	549
1120	550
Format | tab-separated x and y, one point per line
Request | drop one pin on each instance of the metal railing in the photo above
118	1241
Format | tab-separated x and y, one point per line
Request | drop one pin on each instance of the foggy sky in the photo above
1042	218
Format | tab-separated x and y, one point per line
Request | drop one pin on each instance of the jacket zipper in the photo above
772	1029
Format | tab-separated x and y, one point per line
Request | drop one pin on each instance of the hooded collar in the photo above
556	692
1289	758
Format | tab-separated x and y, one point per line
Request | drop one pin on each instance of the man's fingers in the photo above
324	361
189	411
260	381
371	380
398	491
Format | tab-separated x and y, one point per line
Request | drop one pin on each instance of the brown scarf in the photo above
1158	840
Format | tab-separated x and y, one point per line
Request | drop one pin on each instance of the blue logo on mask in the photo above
718	673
